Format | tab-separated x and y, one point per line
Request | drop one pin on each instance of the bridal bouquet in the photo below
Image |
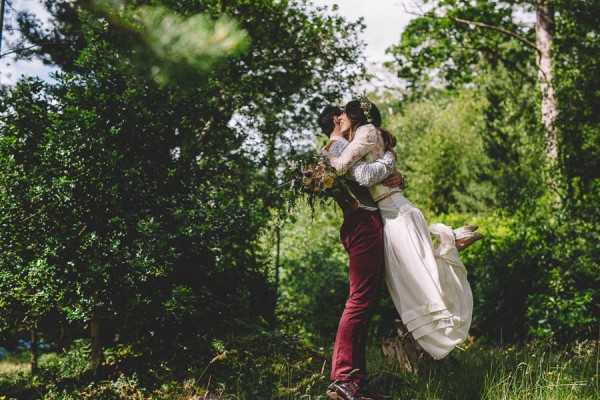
314	180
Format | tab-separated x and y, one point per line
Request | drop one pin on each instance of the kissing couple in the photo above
385	234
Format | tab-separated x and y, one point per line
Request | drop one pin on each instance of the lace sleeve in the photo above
365	140
338	146
368	174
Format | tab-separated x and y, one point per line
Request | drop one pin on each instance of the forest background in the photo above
147	247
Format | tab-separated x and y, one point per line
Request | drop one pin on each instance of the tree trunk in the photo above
2	5
96	345
544	32
403	350
33	348
277	262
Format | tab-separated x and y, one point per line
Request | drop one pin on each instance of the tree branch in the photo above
480	25
19	49
494	28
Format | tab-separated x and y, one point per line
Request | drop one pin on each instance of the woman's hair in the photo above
358	116
388	139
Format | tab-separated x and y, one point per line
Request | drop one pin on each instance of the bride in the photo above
428	285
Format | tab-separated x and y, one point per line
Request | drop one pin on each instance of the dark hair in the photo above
357	118
388	139
326	118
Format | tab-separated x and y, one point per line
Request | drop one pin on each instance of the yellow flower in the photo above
327	182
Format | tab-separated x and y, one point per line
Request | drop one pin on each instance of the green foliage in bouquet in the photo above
313	180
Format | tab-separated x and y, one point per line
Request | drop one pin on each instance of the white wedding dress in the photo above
427	284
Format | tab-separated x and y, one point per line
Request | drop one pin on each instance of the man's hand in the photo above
396	179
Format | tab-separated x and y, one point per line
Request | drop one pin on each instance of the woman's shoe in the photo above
466	239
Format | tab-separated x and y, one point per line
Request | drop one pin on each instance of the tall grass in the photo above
548	374
533	371
529	372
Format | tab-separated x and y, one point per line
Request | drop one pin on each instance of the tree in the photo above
532	275
30	284
576	84
166	200
2	5
460	39
441	152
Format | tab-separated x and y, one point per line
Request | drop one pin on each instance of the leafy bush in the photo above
441	152
70	364
536	277
314	279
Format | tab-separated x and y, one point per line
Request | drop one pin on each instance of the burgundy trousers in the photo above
362	236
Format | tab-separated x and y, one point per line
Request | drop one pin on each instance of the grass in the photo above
530	372
548	375
14	365
533	371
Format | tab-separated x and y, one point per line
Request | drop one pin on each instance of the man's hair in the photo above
326	119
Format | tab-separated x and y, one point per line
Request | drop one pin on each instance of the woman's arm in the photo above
365	174
365	140
368	174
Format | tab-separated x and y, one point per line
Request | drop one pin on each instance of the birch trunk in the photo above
544	32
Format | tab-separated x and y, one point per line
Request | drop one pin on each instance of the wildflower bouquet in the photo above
314	180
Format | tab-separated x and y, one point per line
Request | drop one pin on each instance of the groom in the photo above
362	236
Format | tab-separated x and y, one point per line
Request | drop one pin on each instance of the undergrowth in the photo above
274	366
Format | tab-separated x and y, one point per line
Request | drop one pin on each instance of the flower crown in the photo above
365	105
